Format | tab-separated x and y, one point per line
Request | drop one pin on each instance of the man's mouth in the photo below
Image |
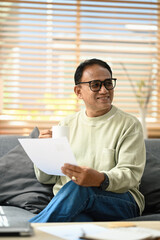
103	97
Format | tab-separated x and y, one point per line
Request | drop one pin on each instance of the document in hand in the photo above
48	154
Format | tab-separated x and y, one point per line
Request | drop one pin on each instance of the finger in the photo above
67	171
74	168
45	134
70	174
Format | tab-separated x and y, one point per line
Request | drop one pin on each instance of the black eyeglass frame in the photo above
101	82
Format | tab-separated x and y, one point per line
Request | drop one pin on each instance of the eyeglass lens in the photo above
97	84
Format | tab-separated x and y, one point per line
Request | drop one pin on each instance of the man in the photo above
109	148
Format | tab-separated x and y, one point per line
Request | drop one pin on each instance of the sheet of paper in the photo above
48	154
94	232
72	231
129	233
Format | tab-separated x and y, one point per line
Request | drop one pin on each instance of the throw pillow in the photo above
150	186
18	185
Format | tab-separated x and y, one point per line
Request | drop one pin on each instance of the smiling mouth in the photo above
103	98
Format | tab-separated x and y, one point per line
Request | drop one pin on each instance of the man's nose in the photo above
103	89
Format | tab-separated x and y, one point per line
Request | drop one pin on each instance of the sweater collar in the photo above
100	119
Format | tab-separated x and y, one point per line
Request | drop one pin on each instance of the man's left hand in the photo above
83	176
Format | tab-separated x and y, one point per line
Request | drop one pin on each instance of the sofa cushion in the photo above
19	186
150	186
8	142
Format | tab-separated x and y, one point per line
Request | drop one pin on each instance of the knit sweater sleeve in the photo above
130	160
44	177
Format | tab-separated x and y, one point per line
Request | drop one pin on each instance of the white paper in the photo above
72	231
48	154
92	231
128	233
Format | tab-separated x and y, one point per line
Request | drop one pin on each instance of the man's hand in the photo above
45	134
83	176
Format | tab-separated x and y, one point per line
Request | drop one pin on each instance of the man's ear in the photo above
77	90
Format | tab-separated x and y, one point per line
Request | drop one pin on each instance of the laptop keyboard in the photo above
3	219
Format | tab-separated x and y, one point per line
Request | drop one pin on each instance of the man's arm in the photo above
130	162
44	177
40	175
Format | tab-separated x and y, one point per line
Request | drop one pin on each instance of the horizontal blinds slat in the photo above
73	6
39	64
120	36
131	58
40	92
109	41
70	50
67	7
43	110
84	11
10	25
136	66
66	13
39	87
80	29
99	17
141	71
91	1
134	60
81	4
103	42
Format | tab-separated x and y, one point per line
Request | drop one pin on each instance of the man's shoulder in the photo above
128	120
127	116
70	118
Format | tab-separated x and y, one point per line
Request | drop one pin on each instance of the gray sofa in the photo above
22	196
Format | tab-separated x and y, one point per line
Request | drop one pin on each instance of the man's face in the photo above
97	103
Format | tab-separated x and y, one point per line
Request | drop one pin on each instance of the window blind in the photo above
42	42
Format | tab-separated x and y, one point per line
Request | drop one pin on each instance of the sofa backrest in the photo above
153	146
150	186
7	143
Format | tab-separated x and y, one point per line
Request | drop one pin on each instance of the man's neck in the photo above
97	113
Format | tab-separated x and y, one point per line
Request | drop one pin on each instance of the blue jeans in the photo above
74	203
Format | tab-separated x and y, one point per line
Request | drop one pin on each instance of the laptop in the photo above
10	228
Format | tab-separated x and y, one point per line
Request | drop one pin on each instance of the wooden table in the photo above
39	235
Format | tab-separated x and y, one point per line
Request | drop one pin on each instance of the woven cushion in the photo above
19	186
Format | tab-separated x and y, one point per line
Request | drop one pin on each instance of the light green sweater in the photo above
112	143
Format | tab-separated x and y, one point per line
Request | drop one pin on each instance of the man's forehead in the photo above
96	71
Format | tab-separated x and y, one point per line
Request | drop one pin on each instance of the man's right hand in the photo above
45	134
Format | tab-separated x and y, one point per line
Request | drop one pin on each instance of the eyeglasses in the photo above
96	85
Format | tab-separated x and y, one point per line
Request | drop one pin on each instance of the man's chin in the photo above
105	105
104	109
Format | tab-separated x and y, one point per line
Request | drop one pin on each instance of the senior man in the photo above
109	147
